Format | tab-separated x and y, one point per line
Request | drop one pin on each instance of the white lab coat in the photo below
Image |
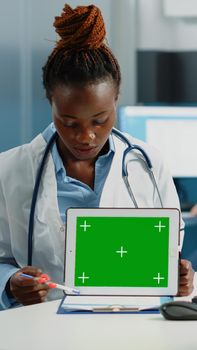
18	169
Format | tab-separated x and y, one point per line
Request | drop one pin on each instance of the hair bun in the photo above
80	28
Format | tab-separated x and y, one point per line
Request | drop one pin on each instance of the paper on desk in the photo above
92	303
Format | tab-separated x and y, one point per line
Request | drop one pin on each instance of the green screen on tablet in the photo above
122	251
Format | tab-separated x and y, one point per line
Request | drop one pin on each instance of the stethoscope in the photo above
130	147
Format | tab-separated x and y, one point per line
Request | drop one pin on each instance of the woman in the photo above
82	82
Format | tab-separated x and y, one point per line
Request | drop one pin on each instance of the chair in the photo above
189	249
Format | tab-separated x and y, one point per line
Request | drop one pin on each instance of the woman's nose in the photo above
85	136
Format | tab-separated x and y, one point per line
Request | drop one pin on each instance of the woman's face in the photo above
83	117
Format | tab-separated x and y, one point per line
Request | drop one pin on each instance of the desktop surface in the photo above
39	327
172	130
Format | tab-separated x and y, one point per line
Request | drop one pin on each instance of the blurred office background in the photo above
155	42
27	37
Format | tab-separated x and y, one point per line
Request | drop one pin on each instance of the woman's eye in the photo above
73	124
100	121
69	125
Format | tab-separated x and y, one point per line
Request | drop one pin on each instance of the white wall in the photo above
156	30
10	104
123	43
180	8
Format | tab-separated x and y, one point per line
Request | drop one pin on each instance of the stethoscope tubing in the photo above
35	195
131	147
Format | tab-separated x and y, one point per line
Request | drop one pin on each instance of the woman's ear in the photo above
116	98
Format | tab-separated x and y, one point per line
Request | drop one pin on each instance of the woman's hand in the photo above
26	290
186	276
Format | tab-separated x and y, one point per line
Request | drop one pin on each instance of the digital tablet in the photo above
122	251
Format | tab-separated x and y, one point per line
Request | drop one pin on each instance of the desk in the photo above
38	327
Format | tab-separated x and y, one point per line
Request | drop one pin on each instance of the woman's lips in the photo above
85	150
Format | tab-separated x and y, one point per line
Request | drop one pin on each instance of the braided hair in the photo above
81	56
